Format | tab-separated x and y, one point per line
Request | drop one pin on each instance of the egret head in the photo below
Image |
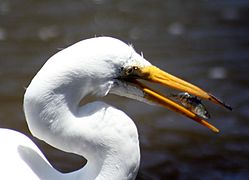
107	65
128	68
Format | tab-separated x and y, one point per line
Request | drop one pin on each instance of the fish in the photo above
192	103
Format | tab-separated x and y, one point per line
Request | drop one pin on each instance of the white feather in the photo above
105	136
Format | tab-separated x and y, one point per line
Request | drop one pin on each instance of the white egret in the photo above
105	136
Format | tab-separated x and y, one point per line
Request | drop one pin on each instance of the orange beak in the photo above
156	75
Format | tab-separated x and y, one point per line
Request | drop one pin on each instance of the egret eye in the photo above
131	70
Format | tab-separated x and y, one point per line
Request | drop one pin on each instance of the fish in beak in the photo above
156	75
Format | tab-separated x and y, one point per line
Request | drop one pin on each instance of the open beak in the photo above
156	75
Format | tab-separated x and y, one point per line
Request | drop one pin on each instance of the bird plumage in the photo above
96	131
104	135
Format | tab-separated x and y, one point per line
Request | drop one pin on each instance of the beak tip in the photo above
213	128
216	130
220	102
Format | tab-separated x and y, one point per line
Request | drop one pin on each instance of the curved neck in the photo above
54	116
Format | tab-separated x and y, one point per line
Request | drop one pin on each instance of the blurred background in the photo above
205	42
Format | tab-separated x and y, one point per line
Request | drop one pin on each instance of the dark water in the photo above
204	42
